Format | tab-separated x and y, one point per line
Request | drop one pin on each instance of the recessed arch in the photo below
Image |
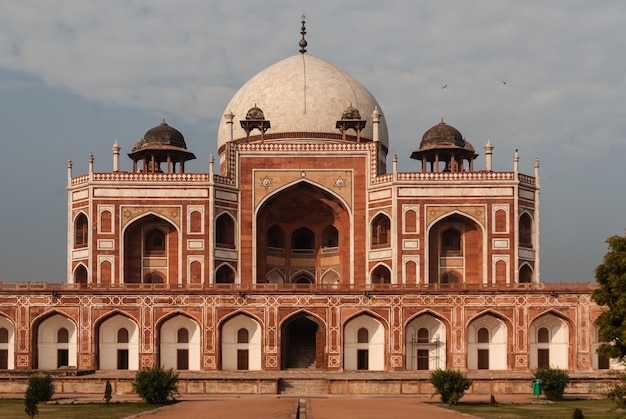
175	354
241	342
80	274
150	239
52	354
554	352
118	342
525	274
225	230
462	232
364	343
525	230
487	339
7	343
303	341
225	274
81	230
380	230
430	354
381	274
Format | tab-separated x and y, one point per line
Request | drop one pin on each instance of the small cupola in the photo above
351	119
255	119
161	146
443	149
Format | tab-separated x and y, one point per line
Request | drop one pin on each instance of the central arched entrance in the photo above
302	343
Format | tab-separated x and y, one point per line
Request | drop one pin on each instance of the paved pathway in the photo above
269	407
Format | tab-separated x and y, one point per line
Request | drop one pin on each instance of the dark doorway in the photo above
301	343
4	359
182	359
242	359
422	359
362	359
63	358
603	362
483	359
543	358
122	359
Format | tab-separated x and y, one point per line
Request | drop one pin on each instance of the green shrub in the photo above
156	385
554	382
450	385
578	414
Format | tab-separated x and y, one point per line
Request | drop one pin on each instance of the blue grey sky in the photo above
547	78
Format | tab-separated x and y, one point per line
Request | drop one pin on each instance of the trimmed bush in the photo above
578	414
450	385
156	385
554	382
617	392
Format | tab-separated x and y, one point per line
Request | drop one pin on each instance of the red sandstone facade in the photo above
303	252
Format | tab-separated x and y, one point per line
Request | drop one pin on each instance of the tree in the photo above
40	389
611	278
156	385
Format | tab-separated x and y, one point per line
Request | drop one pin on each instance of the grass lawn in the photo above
592	409
14	408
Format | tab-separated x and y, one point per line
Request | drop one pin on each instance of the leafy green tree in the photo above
40	389
611	277
554	382
450	385
156	385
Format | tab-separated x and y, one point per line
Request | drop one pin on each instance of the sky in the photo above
546	78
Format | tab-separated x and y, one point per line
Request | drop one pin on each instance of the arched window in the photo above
4	335
122	335
225	275
80	275
525	231
153	278
225	231
410	221
381	275
330	238
303	279
451	242
363	335
381	226
155	242
422	335
543	335
483	335
525	275
63	335
81	231
243	336
303	241
275	239
450	278
182	335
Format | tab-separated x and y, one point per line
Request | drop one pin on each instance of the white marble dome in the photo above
301	94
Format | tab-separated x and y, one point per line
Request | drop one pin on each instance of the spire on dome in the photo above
303	42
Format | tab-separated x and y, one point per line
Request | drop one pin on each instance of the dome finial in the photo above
302	42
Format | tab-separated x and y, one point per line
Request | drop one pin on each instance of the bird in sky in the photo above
444	86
